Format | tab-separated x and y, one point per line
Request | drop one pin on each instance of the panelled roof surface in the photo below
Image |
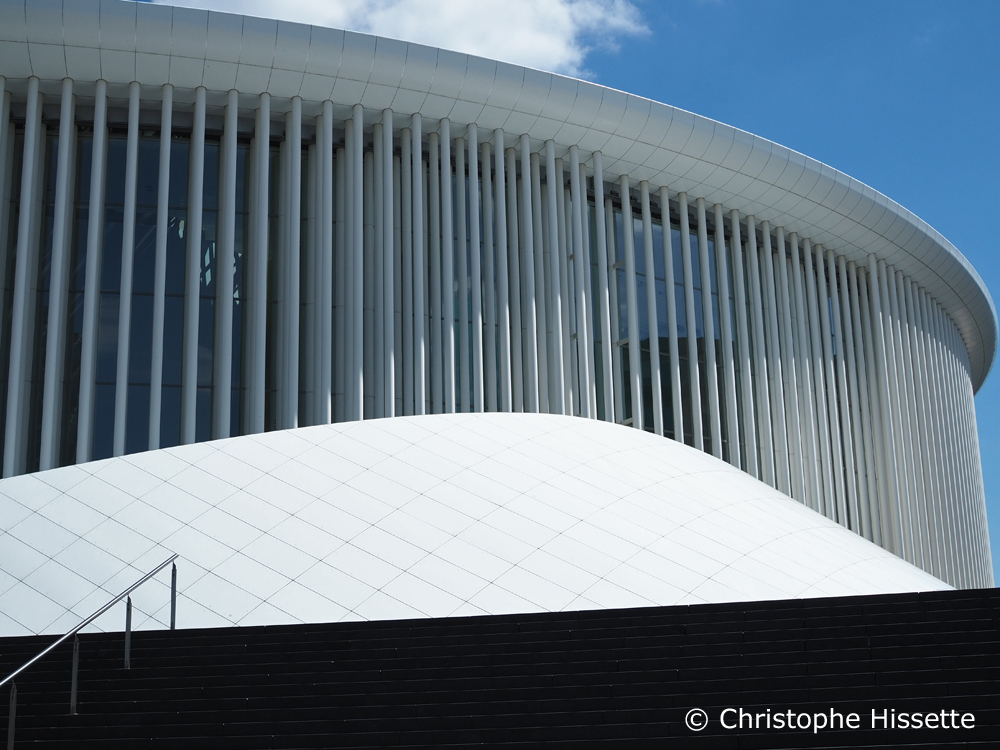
121	41
438	515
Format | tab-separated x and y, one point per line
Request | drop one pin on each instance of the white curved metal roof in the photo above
154	44
440	515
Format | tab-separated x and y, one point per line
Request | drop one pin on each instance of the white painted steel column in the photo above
852	351
325	391
434	285
900	426
843	403
588	285
91	289
448	267
192	271
541	312
583	318
692	327
956	375
368	275
340	349
514	277
934	438
918	504
652	322
310	274
462	248
835	453
616	344
631	301
726	339
258	292
502	272
476	275
790	375
886	372
775	373
22	339
531	317
819	382
567	297
804	368
712	379
293	137
924	430
397	273
127	261
356	334
905	435
603	292
676	392
760	357
556	372
952	507
881	518
406	218
377	342
489	281
160	269
224	261
750	464
388	277
62	223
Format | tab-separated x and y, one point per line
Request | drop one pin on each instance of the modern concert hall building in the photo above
367	329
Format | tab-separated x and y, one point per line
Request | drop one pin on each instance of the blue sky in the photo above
902	95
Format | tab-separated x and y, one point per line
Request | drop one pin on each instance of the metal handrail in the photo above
41	655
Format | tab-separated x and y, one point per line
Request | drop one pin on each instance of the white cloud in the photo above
553	35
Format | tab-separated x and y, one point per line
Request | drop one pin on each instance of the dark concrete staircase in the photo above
613	678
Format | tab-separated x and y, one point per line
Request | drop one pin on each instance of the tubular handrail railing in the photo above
62	639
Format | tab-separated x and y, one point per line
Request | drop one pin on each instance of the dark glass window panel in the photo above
173	340
170	416
137	422
140	339
144	253
107	338
104	421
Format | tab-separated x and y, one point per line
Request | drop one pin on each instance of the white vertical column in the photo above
448	267
258	291
616	350
406	219
160	269
340	289
513	277
588	285
885	373
325	138
790	375
309	342
293	138
860	405
397	274
489	281
936	449
475	273
726	339
715	419
954	506
852	429
192	271
18	385
92	289
761	361
127	261
434	253
603	294
357	254
377	343
879	505
843	402
224	262
502	273
775	373
565	280
676	394
653	323
918	496
583	336
900	423
692	326
531	316
388	281
836	458
804	368
55	340
750	464
368	276
462	249
541	312
553	187
818	382
632	306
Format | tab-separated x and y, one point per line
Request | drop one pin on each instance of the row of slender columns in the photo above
845	386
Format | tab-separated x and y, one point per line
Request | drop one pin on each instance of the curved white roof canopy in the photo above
154	44
440	515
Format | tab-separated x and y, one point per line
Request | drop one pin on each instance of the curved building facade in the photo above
215	225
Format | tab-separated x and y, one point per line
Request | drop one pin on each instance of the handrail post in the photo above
10	716
128	632
173	595
76	670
